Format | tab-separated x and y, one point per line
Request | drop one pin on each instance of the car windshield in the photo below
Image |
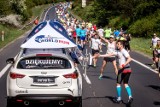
43	63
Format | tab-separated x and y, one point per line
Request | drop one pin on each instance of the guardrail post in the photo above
2	35
85	68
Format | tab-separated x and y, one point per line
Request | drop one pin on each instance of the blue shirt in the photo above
78	32
116	33
83	33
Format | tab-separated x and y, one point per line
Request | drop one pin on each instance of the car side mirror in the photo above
10	61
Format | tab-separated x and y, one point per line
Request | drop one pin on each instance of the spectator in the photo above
153	45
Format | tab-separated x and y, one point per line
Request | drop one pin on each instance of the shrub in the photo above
143	27
5	7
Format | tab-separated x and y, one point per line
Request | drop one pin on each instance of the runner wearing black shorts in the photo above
124	71
111	47
94	52
95	43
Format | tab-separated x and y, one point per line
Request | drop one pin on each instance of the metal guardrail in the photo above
28	23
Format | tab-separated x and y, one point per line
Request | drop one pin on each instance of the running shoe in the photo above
94	66
100	77
130	101
116	100
153	66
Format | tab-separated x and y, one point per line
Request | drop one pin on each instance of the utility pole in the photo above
83	3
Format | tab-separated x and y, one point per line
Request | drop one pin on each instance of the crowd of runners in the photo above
96	38
116	42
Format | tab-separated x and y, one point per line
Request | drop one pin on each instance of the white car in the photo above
43	75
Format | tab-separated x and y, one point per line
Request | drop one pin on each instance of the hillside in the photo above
140	17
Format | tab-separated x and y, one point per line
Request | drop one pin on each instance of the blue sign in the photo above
42	38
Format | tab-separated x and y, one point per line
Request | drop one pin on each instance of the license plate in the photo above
44	80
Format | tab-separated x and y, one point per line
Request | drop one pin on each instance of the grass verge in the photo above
141	45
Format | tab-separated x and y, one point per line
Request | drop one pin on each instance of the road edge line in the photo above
144	66
87	79
3	71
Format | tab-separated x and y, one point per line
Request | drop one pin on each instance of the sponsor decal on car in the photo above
21	91
44	62
43	38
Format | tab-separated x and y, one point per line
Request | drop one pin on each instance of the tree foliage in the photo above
5	7
20	7
141	17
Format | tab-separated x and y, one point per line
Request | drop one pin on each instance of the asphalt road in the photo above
145	84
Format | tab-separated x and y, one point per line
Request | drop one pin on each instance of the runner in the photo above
127	41
157	56
107	33
124	71
116	33
78	34
111	47
83	33
95	42
153	45
100	33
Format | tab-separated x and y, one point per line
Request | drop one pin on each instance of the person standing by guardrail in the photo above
36	21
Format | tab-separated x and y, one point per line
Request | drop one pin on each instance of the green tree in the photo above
5	7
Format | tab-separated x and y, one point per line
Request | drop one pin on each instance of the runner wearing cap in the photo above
95	43
111	47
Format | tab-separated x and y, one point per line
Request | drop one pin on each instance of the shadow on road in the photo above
156	103
111	98
154	87
151	65
105	77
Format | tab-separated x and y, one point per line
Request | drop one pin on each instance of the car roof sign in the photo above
49	37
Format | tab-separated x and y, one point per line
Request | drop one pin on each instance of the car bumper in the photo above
66	99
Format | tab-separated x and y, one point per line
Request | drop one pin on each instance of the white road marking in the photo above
4	70
144	65
87	79
94	93
46	14
90	59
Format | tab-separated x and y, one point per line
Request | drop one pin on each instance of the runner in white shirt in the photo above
95	42
153	45
69	30
100	33
124	71
111	47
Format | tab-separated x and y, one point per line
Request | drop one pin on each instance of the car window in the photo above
43	63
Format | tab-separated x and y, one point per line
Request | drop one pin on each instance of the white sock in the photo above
119	98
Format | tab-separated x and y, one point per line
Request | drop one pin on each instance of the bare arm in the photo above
105	40
107	55
129	59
